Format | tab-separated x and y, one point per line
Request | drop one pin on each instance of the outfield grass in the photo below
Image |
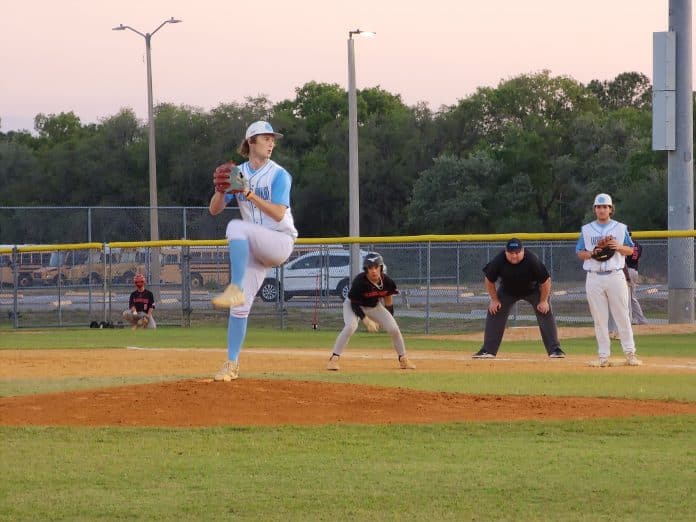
634	469
611	469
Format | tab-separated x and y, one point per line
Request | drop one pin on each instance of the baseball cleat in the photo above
333	363
557	354
602	362
405	364
632	360
229	372
483	354
231	297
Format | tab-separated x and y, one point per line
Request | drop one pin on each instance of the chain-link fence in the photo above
441	285
58	225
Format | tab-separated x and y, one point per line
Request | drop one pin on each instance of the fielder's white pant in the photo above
133	319
604	293
379	314
267	248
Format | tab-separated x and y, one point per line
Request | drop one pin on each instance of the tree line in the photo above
526	155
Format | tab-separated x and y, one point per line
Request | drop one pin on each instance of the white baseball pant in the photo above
379	314
607	292
267	248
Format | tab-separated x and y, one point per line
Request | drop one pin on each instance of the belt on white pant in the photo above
607	272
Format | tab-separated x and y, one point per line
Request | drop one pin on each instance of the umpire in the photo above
522	276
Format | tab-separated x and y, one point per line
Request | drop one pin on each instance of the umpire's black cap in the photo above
513	245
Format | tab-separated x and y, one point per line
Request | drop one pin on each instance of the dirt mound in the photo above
247	402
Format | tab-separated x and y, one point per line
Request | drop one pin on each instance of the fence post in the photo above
427	289
186	286
281	295
15	280
107	277
458	271
183	213
59	287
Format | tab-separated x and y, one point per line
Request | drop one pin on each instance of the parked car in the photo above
324	272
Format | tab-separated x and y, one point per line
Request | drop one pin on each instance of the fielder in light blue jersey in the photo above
605	285
263	238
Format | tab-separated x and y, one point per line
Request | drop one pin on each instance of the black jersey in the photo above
365	293
633	257
517	280
142	301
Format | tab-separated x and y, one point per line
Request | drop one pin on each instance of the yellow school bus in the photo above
84	266
207	266
27	264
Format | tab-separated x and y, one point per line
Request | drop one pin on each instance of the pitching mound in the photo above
270	402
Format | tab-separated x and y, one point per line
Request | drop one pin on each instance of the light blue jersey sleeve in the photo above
280	188
628	241
580	245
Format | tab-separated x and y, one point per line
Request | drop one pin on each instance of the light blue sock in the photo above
239	257
236	332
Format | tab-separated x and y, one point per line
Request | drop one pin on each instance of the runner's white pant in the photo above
379	314
604	293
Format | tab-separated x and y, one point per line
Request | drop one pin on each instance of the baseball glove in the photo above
372	326
228	177
602	252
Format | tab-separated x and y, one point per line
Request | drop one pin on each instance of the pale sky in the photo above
60	56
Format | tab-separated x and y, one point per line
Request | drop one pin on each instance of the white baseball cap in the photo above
603	199
261	127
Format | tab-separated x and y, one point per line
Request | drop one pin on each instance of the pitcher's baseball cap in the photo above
514	245
260	127
603	199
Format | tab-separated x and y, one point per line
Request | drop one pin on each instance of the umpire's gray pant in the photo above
495	324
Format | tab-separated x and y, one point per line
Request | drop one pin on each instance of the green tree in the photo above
56	128
455	196
629	89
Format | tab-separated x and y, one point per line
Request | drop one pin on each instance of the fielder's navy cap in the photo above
514	245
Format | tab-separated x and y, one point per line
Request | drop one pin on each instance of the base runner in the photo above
370	301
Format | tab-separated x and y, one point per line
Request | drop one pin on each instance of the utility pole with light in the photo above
353	175
154	223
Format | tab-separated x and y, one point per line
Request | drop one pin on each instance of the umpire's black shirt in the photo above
517	280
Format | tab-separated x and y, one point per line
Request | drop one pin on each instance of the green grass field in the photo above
611	469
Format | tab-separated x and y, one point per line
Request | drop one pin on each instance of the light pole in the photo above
353	178
154	223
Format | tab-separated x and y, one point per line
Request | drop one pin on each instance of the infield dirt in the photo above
186	396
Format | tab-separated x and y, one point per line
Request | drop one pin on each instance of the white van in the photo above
325	272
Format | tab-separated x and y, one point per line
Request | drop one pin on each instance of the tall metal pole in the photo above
154	221
353	179
152	161
680	173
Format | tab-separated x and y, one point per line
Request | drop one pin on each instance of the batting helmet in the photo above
372	259
139	279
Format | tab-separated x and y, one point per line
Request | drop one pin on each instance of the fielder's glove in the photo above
228	177
371	325
602	252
